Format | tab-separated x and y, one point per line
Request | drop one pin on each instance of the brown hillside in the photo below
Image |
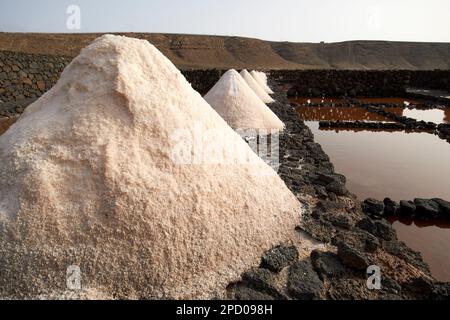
198	51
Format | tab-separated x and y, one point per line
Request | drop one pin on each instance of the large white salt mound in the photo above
88	178
239	106
264	96
258	76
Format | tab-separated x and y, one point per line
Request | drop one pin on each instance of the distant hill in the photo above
198	51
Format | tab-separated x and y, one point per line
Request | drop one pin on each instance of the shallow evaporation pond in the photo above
393	164
437	116
429	238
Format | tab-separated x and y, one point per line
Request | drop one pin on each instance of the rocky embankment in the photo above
424	209
337	240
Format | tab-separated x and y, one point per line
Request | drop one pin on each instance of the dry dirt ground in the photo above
201	51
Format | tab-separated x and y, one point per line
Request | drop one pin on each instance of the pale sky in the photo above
282	20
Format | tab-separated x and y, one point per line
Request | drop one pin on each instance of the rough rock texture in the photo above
264	96
89	178
239	105
261	78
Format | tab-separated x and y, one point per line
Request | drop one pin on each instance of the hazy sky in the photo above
282	20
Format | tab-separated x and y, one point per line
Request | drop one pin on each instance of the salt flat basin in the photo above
431	239
437	116
391	164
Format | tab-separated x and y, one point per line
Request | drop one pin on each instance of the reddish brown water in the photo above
339	113
431	239
392	164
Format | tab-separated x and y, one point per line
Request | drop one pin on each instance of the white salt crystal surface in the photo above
88	178
239	106
263	95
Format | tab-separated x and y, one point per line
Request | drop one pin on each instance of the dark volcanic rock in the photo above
367	224
261	280
303	282
444	207
426	208
318	229
339	220
373	207
279	257
245	293
391	208
385	231
421	285
407	208
390	285
328	178
381	229
402	251
352	257
337	188
327	264
349	289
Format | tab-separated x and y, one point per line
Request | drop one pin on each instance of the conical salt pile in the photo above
264	96
239	106
91	186
261	79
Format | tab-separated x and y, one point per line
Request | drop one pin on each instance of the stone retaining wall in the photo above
316	83
25	76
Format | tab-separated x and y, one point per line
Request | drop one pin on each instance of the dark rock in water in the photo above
407	208
391	207
261	280
426	208
444	207
327	264
279	257
402	251
337	188
352	257
381	229
246	293
373	207
303	282
385	231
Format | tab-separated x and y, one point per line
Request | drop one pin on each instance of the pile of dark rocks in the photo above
408	123
425	209
24	76
444	131
367	125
